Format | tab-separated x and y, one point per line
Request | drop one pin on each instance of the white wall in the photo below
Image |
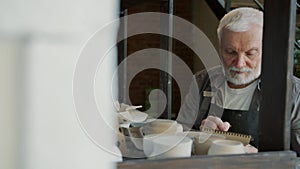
40	43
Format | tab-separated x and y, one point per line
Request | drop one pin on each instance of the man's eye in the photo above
230	52
251	53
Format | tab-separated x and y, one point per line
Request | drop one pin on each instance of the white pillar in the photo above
43	124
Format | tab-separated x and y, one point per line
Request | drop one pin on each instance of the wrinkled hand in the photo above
214	123
250	149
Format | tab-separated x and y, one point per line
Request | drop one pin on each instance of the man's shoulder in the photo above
295	79
295	84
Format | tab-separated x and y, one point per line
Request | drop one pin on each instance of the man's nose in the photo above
240	62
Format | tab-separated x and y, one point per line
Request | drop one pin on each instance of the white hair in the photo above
240	20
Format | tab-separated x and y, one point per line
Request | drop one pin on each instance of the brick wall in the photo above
150	78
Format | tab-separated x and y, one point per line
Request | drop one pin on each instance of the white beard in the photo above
241	79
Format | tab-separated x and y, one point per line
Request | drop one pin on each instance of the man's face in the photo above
241	55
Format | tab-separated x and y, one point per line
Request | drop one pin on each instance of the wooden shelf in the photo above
264	160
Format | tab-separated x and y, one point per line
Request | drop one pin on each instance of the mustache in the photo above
244	69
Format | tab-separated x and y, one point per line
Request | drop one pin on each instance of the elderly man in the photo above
228	97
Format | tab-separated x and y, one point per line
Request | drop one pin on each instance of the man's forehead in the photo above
241	45
250	36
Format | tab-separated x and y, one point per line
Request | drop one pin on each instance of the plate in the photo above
133	116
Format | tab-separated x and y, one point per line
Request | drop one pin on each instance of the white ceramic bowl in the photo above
169	146
160	126
219	147
203	141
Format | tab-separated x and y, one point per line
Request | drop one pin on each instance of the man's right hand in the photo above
214	123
